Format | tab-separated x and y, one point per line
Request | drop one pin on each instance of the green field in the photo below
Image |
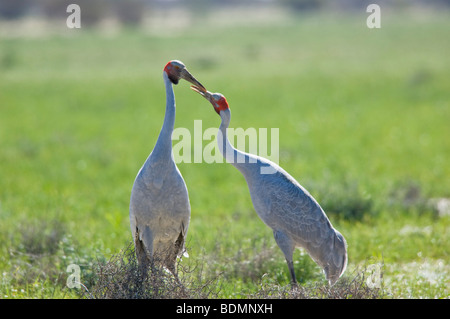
363	118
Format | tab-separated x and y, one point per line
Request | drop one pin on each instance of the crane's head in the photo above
176	70
336	262
218	101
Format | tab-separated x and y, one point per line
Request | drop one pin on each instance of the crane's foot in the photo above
292	274
294	285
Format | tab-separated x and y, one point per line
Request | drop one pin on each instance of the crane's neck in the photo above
165	136
241	160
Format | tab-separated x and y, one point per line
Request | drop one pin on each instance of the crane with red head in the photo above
295	217
159	203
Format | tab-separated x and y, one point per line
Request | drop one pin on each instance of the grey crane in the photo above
295	217
159	204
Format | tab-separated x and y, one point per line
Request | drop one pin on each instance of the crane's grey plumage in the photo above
159	203
295	217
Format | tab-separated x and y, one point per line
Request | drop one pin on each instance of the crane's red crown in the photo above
176	70
218	101
173	69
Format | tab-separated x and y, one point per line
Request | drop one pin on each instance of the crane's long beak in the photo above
186	75
203	92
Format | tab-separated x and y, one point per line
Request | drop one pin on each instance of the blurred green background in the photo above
363	117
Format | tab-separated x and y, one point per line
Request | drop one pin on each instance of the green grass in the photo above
363	117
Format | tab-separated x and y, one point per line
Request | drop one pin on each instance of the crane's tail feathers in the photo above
143	244
180	247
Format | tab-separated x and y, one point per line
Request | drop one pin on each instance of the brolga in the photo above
159	204
294	216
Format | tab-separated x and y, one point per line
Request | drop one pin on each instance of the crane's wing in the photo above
294	211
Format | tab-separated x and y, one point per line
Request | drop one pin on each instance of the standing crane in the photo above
295	217
159	203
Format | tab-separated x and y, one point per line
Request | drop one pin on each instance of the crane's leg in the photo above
290	264
287	247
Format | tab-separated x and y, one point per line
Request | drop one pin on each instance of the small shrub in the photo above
409	196
122	278
352	286
41	237
34	248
